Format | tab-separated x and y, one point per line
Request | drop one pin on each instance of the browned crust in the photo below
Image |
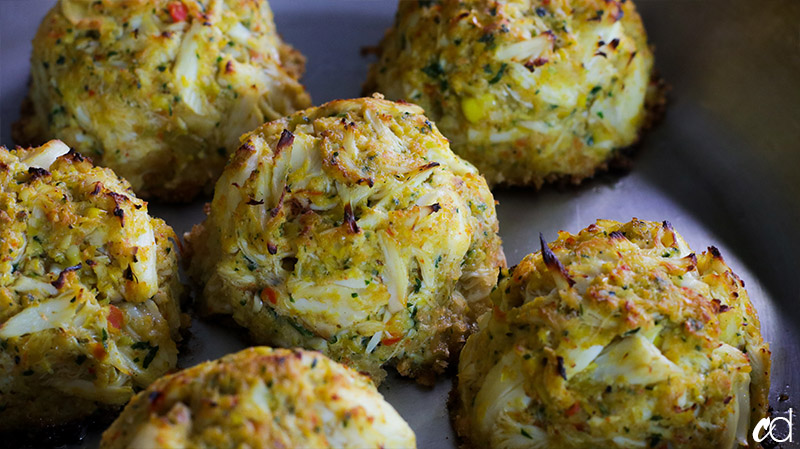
293	62
453	410
447	348
621	159
26	133
22	132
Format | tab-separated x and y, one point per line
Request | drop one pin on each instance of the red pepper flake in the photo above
268	294
576	407
115	317
390	339
98	351
177	10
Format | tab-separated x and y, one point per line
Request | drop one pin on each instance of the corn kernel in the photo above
94	212
73	255
476	108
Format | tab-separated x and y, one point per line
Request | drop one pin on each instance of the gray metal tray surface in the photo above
723	165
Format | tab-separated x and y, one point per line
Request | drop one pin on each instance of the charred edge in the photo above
58	283
37	172
429	166
692	261
633	55
118	197
552	262
272	249
247	147
461	16
253	202
155	398
118	212
715	252
435	207
719	307
98	187
350	220
286	140
618	235
368	181
128	274
667	225
560	367
274	211
601	53
614	43
538	62
75	156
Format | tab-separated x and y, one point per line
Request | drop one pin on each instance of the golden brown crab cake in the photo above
160	90
261	398
529	91
89	289
617	337
351	228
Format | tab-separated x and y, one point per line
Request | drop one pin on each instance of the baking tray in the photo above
723	165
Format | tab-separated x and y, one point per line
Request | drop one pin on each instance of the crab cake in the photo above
89	289
261	398
529	91
617	337
160	90
351	229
